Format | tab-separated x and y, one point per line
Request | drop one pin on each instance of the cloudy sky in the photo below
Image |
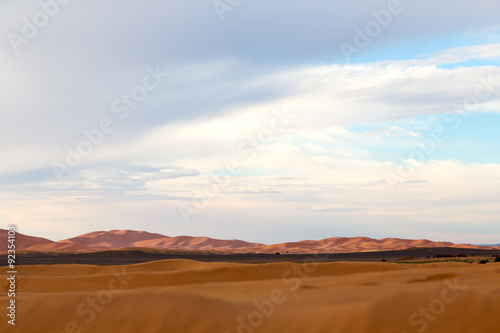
261	120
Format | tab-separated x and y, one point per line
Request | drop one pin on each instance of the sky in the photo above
268	121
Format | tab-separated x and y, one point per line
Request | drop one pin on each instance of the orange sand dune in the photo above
188	296
63	246
199	243
117	239
22	241
358	244
112	239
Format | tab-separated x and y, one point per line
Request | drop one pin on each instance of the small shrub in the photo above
497	259
484	261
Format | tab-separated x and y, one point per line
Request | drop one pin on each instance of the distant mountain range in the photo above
116	239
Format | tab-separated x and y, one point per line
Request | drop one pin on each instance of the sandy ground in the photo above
191	296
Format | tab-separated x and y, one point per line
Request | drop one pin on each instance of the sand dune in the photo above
22	241
113	239
358	244
63	246
199	243
116	239
189	296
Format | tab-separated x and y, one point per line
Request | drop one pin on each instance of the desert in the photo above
179	295
130	289
232	166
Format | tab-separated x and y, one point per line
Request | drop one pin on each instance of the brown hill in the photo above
64	246
199	243
113	239
357	244
117	239
22	241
